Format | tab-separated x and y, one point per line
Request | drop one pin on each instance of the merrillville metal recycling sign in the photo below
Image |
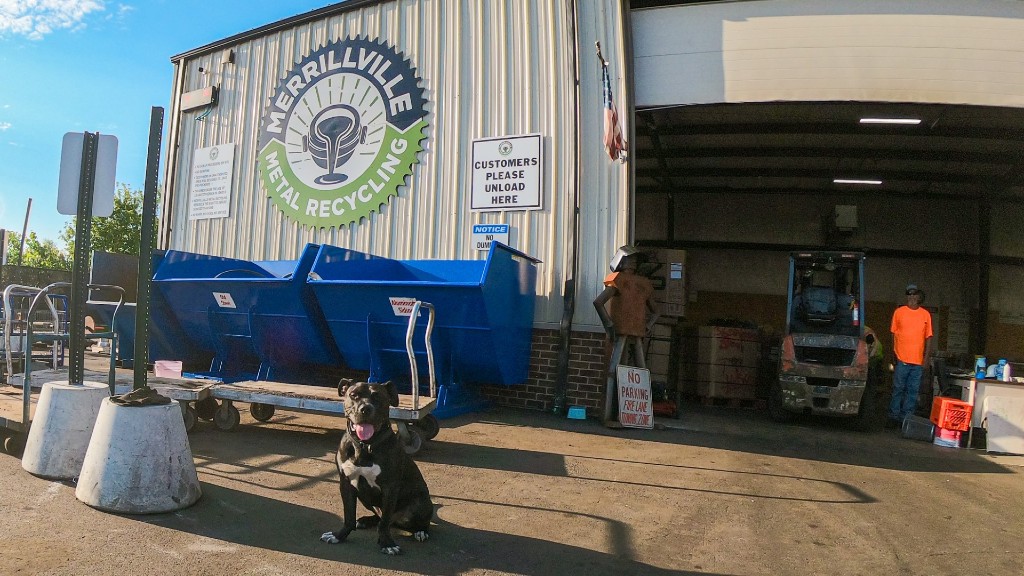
341	133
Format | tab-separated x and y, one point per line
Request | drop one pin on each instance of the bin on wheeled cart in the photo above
258	319
412	416
167	341
484	318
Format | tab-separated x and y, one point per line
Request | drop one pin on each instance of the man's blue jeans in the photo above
906	381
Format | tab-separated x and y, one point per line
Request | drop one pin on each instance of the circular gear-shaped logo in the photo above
341	133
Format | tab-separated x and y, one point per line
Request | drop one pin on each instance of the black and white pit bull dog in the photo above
375	469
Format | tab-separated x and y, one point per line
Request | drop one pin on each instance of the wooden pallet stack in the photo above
728	362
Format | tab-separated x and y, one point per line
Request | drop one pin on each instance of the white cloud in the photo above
4	126
34	19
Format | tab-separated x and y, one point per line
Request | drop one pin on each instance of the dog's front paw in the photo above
421	536
335	537
392	550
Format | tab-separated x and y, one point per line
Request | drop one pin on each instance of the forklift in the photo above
824	369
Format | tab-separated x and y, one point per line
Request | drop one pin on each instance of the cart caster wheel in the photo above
226	417
190	418
429	426
206	408
14	444
261	412
413	443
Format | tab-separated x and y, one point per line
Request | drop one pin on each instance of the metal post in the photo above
80	270
24	233
984	261
141	362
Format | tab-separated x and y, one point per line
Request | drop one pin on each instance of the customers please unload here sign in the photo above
507	173
635	407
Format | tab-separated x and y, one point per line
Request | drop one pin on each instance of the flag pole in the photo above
597	44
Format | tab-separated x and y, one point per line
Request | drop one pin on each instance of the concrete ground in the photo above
720	491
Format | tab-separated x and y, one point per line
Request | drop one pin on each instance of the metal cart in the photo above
21	323
14	322
413	416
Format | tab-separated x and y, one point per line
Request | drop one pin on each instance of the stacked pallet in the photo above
728	361
659	349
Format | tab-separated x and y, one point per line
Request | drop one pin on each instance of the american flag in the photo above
613	141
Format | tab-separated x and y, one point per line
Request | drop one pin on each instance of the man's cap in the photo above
912	289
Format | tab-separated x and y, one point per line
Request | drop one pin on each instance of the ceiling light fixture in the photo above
855	181
910	121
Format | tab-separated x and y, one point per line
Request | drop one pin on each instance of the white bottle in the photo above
1007	377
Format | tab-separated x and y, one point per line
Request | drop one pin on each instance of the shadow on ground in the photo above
234	516
751	431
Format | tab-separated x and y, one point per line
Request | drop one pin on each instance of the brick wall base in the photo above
588	356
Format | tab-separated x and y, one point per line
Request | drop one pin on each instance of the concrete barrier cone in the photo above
139	461
61	428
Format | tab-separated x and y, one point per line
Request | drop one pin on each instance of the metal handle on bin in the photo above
412	355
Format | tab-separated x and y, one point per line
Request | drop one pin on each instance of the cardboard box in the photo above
670	282
721	374
729	346
726	390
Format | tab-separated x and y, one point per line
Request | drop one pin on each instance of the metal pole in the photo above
80	270
141	362
24	232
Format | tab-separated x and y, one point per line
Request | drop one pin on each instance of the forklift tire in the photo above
776	407
261	412
226	418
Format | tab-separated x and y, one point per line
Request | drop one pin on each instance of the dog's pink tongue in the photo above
364	431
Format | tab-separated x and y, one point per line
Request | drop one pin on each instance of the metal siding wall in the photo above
606	214
501	67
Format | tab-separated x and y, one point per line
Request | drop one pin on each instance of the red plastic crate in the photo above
951	414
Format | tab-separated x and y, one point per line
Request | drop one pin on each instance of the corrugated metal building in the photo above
486	70
736	114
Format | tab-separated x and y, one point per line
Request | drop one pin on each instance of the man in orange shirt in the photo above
911	341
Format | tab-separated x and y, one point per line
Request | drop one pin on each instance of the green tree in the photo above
38	253
119	233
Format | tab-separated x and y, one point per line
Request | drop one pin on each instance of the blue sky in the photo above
97	66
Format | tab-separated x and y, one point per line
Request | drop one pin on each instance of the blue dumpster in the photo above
167	341
483	323
259	318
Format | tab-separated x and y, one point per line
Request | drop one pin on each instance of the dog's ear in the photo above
392	392
343	385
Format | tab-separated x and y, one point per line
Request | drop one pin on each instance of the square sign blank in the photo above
71	173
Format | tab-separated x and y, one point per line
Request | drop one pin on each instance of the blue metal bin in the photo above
483	323
259	318
167	341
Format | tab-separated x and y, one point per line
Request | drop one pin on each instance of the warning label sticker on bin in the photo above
402	306
224	300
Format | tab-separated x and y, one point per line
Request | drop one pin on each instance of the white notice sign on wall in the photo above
210	191
507	173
